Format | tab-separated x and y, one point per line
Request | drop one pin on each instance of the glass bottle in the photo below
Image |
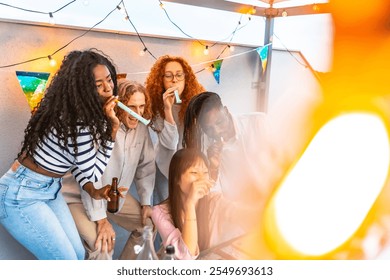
146	251
113	204
169	253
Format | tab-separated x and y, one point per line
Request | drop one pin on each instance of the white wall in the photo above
239	77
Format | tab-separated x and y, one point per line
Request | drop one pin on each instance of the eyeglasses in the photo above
169	76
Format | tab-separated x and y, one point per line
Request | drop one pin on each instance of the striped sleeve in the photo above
90	161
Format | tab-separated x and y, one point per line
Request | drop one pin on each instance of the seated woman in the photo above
192	219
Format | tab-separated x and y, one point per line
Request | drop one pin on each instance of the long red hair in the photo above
155	85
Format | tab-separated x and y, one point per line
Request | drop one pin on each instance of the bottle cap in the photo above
170	249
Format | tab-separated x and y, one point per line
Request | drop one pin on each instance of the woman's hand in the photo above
108	109
102	193
198	190
169	99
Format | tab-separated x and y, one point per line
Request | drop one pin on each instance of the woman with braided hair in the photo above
73	128
237	147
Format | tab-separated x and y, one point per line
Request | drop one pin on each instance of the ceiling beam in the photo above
310	9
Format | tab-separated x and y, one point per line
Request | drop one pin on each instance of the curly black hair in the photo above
71	102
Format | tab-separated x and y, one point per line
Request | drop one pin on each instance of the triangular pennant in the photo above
121	76
217	69
33	85
263	53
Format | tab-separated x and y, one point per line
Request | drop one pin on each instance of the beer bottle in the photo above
113	204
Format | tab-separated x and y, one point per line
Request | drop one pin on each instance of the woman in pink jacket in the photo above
192	219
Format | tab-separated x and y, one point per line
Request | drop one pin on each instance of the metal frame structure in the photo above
270	13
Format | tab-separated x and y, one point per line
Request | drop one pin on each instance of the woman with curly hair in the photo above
170	74
132	161
73	128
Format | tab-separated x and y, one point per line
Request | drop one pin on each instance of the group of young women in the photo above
74	128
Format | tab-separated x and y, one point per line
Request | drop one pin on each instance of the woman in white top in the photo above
73	126
170	73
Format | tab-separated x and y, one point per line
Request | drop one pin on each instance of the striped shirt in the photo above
89	163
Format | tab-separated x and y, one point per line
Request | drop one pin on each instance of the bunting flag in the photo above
121	76
33	85
217	69
263	53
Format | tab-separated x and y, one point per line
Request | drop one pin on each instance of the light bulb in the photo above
126	18
206	50
52	61
213	69
231	48
253	11
284	13
51	19
162	5
316	8
142	52
121	8
85	2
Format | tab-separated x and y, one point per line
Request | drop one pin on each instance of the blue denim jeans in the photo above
34	212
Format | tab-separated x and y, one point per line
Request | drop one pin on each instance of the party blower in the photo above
132	113
176	92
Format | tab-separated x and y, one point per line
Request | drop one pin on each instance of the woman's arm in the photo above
198	190
170	235
169	99
190	229
89	162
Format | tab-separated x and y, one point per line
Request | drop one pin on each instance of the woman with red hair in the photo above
167	75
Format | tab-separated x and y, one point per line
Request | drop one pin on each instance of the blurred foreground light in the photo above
327	195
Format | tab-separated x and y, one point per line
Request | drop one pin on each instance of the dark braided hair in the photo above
199	105
71	102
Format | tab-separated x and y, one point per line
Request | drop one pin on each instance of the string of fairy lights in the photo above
121	7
